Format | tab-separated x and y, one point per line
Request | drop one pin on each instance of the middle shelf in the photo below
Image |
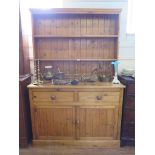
76	48
73	59
75	36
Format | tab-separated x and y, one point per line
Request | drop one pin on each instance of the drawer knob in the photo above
99	97
53	97
34	96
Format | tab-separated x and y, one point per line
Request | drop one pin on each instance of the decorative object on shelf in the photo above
89	78
115	80
105	78
37	74
74	82
48	75
60	75
102	75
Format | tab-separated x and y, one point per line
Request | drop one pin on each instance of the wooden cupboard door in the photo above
97	122
54	122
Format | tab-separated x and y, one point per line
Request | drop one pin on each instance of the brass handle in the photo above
99	97
34	96
77	122
53	97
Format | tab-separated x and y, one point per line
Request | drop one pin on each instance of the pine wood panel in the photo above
96	122
73	34
75	24
77	67
76	48
54	122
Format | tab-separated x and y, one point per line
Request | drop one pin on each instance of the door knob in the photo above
99	97
53	97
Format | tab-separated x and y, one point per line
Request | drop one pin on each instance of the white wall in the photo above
126	42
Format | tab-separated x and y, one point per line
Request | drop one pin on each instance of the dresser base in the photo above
80	143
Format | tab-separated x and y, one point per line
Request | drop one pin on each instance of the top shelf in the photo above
75	11
75	36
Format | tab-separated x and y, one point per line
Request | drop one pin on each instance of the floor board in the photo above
70	150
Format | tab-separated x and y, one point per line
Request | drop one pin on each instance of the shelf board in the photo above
75	11
75	36
75	59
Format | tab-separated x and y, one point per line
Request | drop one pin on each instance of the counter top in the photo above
80	85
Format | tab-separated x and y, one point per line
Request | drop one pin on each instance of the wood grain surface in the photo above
90	35
72	150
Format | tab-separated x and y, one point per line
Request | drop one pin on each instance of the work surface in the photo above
70	150
80	85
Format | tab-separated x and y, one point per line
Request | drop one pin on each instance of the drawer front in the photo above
98	97
53	96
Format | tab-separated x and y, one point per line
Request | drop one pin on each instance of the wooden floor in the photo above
71	150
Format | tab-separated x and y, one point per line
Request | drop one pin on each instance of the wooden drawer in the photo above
53	96
98	97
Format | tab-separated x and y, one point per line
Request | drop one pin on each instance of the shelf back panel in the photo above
76	48
77	68
66	24
61	37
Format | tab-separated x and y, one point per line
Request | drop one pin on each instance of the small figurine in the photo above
115	80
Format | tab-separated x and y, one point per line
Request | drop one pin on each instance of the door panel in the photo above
97	121
54	122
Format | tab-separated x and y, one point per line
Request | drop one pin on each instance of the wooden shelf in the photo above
75	36
75	11
75	59
76	39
